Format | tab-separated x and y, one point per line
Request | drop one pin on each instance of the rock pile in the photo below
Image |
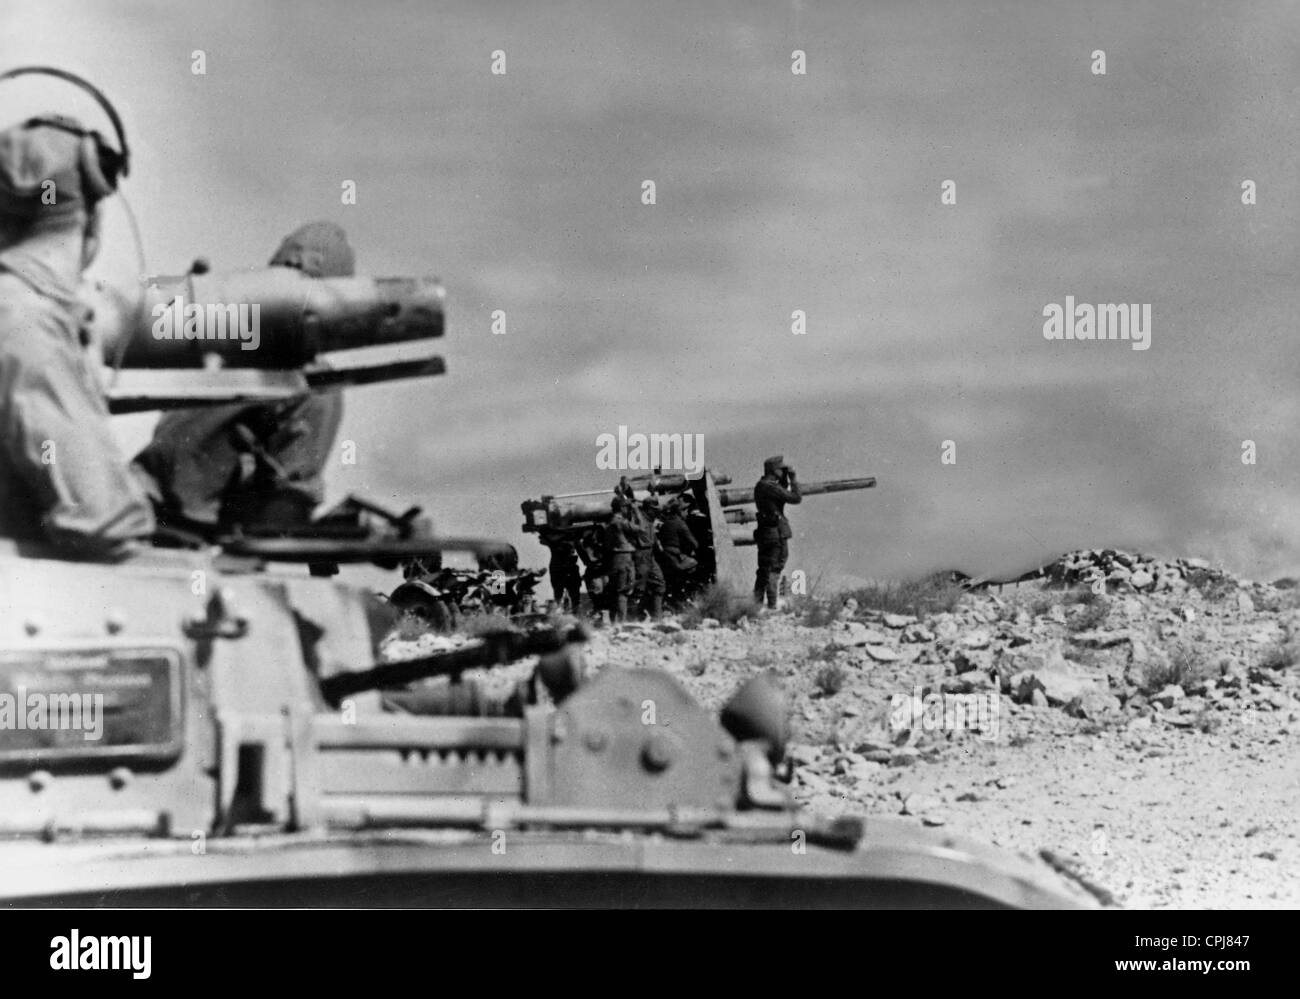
1125	571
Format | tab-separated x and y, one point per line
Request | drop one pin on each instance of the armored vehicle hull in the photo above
244	744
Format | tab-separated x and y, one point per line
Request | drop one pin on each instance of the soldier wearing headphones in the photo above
63	479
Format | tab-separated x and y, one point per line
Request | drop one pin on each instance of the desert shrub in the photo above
1092	615
1281	600
818	615
1212	586
720	602
931	594
479	623
831	679
1043	601
409	627
1184	665
822	653
1282	655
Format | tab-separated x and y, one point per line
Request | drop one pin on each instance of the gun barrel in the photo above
577	509
490	650
737	497
274	318
741	536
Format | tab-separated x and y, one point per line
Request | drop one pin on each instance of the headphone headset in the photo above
101	165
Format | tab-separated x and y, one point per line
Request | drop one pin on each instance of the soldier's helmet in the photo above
318	249
50	171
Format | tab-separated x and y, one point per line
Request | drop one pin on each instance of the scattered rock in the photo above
1093	704
964	660
802	755
972	682
1058	687
1100	639
919	804
898	620
1169	695
855	634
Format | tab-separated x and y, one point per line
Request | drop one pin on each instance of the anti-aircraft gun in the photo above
720	515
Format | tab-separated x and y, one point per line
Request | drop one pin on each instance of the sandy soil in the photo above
1186	798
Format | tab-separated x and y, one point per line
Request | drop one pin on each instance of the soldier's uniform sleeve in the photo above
193	461
57	440
301	436
773	491
687	537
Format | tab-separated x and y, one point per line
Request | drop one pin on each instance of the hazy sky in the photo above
775	192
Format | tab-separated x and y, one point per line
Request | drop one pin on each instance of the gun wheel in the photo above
434	613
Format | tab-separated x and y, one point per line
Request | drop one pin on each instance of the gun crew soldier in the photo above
257	467
649	588
565	574
772	492
620	549
63	479
677	550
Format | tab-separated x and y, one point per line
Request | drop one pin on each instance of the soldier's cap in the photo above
318	249
50	171
774	464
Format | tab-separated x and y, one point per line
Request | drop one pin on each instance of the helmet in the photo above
318	249
99	166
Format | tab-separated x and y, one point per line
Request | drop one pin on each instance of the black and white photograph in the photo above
627	455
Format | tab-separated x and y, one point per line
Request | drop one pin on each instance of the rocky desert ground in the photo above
1138	718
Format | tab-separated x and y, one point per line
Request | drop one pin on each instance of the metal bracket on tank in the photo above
220	620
